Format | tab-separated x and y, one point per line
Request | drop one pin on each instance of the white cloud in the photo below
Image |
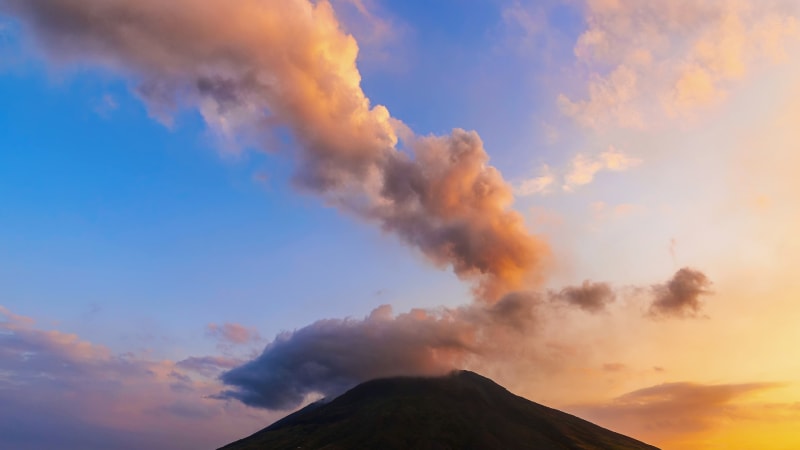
584	168
537	185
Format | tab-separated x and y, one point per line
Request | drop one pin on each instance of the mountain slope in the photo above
460	411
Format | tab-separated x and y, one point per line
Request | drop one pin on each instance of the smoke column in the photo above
250	64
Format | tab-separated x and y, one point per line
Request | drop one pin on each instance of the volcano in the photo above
462	410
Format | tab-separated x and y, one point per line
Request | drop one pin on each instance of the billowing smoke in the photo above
330	356
680	296
250	65
589	296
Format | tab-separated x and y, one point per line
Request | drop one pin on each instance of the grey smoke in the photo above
589	296
251	65
330	356
681	295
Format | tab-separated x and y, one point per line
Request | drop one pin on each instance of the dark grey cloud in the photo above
330	356
589	296
681	295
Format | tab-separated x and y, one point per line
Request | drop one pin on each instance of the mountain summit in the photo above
462	410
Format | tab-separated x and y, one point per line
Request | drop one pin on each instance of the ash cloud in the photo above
330	356
681	295
250	65
589	296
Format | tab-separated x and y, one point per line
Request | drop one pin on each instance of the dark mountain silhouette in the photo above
462	410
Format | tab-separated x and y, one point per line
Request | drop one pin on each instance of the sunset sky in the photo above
213	212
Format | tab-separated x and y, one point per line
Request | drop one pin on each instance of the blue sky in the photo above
637	139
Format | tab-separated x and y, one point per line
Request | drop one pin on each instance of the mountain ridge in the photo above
462	410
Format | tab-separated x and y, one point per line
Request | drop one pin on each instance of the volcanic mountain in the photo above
462	410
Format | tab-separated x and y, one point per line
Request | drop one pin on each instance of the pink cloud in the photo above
233	333
87	397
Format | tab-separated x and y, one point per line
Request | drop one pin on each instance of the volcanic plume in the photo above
250	65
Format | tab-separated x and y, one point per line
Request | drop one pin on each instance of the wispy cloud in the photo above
379	35
105	106
87	397
208	366
233	333
614	367
675	410
540	184
581	171
648	61
584	168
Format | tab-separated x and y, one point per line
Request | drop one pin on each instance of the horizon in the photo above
213	213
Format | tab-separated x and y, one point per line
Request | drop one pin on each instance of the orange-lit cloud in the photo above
582	170
647	61
672	413
250	65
